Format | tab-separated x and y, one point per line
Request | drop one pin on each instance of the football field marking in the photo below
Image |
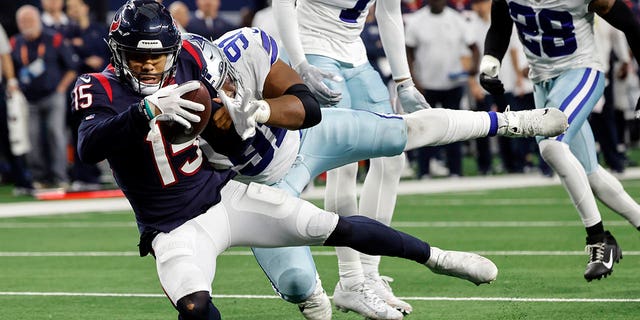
250	296
398	224
249	253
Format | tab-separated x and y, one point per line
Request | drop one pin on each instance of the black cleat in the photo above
603	253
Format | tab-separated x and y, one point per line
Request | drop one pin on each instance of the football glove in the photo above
410	98
168	103
313	77
245	112
489	70
638	109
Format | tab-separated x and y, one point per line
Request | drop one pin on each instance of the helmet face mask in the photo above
219	72
144	29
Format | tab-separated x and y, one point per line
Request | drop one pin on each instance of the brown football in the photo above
176	133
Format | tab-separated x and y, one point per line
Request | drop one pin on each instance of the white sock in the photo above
574	179
340	197
610	191
378	198
438	126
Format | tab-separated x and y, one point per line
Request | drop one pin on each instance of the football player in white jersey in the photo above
322	39
558	38
243	64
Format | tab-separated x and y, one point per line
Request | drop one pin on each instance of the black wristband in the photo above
312	114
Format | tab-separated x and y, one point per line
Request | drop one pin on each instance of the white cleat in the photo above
317	306
364	302
547	122
380	286
463	265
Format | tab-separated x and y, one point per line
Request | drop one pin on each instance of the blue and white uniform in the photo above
290	159
558	41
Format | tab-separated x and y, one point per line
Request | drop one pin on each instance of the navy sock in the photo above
197	306
374	238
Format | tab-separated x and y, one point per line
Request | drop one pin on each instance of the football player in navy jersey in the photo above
188	212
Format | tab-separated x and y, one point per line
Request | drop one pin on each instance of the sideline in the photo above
430	186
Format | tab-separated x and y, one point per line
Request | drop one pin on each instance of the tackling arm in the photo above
289	102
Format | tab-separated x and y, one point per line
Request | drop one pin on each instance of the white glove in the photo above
313	77
243	112
410	98
489	71
170	104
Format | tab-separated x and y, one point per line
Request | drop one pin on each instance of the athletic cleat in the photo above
380	286
317	306
463	265
547	122
364	302
603	251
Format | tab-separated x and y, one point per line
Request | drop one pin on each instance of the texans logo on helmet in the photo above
114	25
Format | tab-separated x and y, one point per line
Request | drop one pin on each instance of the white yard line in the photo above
249	253
478	183
399	224
250	296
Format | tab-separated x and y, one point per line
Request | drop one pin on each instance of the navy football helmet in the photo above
143	27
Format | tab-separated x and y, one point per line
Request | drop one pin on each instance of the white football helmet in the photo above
218	68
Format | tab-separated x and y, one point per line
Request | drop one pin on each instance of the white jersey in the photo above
332	28
251	52
557	35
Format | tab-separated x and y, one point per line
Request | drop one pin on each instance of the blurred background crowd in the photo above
46	44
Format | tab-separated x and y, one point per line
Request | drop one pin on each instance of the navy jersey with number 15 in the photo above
166	184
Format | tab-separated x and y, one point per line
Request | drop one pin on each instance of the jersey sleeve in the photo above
104	128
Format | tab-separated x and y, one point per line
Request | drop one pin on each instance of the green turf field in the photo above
84	266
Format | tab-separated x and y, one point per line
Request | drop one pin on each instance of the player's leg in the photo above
610	191
575	93
378	195
604	185
340	197
440	126
263	216
186	262
290	270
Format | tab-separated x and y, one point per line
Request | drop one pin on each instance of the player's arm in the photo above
288	103
293	106
389	17
620	17
497	40
103	132
495	47
287	23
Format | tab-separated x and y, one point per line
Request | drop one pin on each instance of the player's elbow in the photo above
310	105
86	154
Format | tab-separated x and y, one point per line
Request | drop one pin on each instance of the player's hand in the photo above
168	101
410	97
313	77
638	109
489	70
243	112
